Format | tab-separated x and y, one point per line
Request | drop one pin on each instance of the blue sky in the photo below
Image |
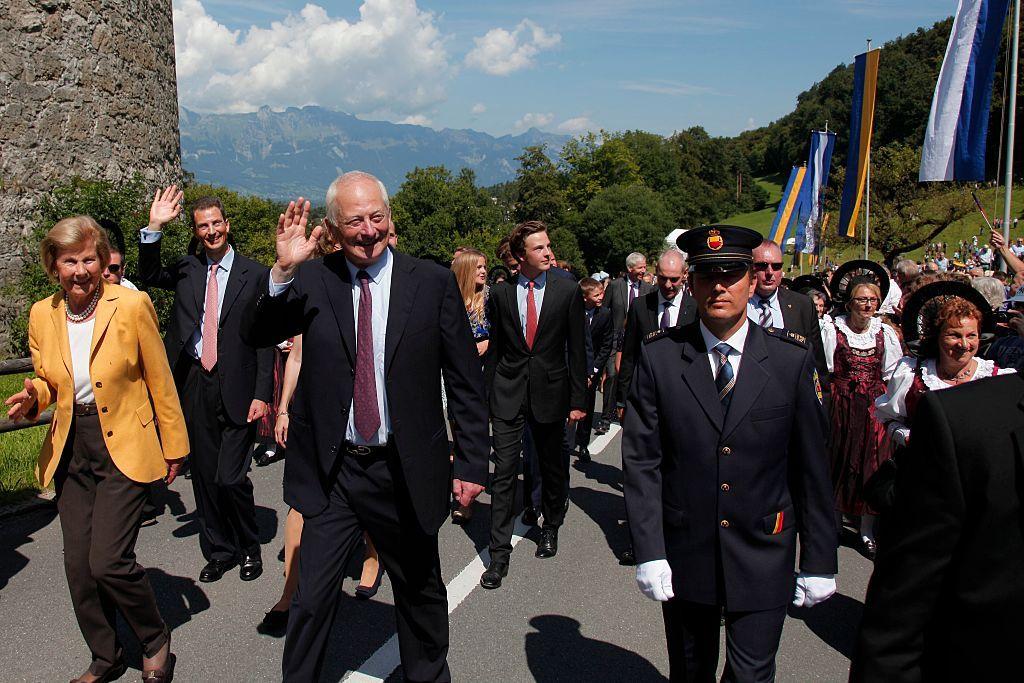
499	67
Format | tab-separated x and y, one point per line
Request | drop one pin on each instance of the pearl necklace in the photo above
84	315
958	377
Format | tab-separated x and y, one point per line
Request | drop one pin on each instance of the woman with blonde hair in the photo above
117	428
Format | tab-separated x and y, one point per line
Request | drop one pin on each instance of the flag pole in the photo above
867	193
1011	109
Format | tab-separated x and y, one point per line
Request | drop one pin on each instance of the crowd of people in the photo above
759	414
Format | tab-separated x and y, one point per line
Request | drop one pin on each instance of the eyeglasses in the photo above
763	266
114	267
864	300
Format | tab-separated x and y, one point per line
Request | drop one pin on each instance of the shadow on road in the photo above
17	531
361	626
606	509
266	523
557	648
836	621
179	598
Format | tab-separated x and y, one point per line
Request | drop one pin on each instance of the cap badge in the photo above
715	241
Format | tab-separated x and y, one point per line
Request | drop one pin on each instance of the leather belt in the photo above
83	409
365	451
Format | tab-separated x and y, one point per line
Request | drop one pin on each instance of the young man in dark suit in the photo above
368	444
224	384
724	467
599	329
536	375
946	600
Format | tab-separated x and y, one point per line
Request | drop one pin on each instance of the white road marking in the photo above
385	660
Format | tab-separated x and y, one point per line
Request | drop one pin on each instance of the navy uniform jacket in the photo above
705	489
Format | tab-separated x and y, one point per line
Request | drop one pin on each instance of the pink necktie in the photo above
531	316
209	357
364	391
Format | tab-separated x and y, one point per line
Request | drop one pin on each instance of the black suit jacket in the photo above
601	341
799	315
427	331
642	319
551	378
723	497
245	372
616	298
946	600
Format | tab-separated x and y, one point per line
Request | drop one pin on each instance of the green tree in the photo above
539	188
622	219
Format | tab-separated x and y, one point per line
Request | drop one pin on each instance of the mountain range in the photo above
298	151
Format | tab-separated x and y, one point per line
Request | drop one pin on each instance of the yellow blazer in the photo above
138	405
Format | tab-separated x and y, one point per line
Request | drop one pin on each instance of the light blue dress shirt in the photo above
195	342
522	289
380	290
754	309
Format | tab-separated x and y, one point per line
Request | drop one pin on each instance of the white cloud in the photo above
662	87
391	62
534	120
478	108
417	120
576	125
499	52
751	125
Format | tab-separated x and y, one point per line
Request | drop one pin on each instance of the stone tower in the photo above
87	88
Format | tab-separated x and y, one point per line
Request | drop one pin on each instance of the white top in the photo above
128	284
891	353
737	341
892	298
891	407
80	339
673	309
828	337
754	309
523	289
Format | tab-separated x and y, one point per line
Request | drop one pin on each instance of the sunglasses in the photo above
114	267
763	266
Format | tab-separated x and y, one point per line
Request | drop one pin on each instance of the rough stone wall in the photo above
87	88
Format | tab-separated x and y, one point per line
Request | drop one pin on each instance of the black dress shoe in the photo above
252	567
215	569
548	546
367	592
530	516
584	454
275	623
491	578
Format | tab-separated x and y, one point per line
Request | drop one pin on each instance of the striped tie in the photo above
766	314
725	378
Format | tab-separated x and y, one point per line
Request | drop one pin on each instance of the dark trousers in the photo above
100	510
585	426
369	493
751	641
531	472
219	462
611	377
554	475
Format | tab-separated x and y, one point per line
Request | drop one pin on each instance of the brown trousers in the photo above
100	510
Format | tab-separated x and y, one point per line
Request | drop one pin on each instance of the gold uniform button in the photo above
726	450
725	487
724	523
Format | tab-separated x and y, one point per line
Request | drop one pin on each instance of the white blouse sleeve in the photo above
891	407
828	340
892	353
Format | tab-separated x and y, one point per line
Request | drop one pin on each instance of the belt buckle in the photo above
359	450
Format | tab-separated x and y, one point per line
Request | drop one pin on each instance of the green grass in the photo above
762	220
18	451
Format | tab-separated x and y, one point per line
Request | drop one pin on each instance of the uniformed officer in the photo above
724	462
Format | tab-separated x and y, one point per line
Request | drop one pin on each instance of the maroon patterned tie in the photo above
364	397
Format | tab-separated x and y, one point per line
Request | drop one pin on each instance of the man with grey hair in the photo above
903	273
992	289
619	295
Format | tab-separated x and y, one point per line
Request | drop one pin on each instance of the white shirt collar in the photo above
770	299
737	341
374	270
673	302
225	261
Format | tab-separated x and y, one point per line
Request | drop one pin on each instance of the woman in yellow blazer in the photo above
117	427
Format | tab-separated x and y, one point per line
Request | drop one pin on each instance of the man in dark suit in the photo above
599	331
667	306
224	383
536	375
368	445
774	306
724	462
946	600
619	296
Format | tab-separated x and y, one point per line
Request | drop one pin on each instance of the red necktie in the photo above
364	391
531	315
209	355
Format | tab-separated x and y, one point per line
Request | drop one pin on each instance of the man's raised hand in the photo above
166	207
293	247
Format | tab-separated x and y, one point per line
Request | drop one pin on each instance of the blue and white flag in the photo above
819	163
954	143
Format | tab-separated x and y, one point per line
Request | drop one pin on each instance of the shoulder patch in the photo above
656	334
787	335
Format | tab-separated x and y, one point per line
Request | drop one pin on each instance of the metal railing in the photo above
19	366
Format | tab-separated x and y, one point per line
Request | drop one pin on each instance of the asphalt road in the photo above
577	616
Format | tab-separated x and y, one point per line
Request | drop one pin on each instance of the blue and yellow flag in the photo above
785	214
862	120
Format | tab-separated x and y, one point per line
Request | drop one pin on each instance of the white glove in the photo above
812	589
654	579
